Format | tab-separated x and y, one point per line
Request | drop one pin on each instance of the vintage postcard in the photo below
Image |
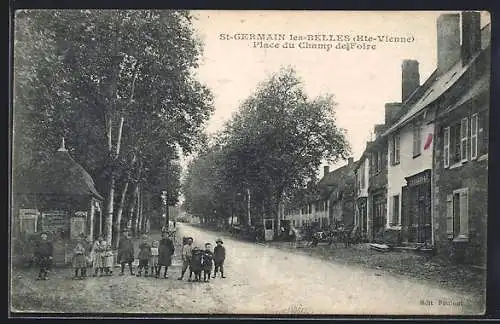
173	162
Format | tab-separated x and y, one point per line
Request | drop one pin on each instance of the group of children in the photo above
99	257
200	261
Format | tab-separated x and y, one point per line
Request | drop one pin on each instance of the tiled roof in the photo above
335	179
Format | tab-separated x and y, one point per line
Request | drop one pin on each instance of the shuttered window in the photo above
464	214
449	216
473	136
395	149
446	150
457	214
463	139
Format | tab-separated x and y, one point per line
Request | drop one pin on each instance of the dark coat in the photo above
219	254
44	249
126	250
196	260
165	252
144	251
208	260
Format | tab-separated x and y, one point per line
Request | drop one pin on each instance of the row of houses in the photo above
424	177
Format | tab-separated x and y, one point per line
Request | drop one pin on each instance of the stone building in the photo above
460	164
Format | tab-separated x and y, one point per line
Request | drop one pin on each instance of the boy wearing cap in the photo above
219	257
43	254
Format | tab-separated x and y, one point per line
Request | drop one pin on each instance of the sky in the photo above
361	80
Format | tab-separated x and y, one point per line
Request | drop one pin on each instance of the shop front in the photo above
416	209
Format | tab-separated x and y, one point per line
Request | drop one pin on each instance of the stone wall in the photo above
474	176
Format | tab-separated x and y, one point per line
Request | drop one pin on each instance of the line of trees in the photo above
120	87
269	152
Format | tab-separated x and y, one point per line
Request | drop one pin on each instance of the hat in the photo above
219	240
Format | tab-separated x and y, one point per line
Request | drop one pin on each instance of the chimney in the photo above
326	170
471	35
350	161
410	78
448	42
392	110
378	129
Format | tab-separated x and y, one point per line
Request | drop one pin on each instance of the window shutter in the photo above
449	216
397	153
446	150
473	136
391	151
464	213
463	139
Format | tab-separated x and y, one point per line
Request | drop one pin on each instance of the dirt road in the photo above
260	280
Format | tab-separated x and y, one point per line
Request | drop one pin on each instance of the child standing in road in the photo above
207	262
187	250
219	257
196	264
108	260
43	255
143	256
79	259
97	254
153	258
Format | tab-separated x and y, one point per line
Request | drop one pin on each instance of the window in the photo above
395	210
417	139
457	214
309	208
463	139
376	162
459	141
395	152
452	144
28	220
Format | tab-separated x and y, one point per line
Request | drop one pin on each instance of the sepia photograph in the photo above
253	162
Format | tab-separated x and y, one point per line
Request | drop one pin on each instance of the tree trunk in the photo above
108	228
139	210
133	204
119	214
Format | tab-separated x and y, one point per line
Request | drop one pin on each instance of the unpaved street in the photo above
268	280
260	280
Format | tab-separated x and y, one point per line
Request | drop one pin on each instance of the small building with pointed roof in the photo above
58	197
